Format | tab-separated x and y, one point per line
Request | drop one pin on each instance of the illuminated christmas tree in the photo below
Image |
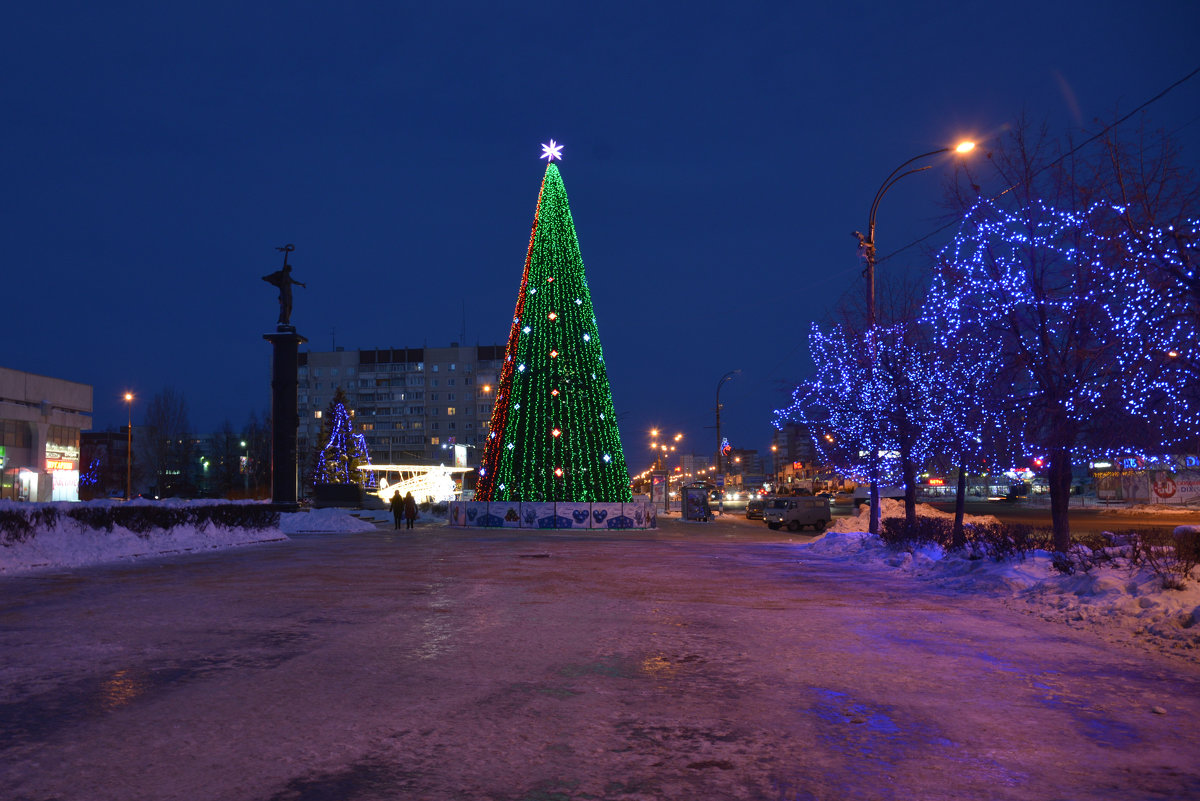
338	461
553	433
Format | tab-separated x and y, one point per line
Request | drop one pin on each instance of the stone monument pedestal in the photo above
285	476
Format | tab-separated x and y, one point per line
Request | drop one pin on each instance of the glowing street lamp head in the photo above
551	151
965	147
128	397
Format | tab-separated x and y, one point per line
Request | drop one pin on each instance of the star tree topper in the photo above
551	151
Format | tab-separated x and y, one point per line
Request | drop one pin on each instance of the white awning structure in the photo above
425	482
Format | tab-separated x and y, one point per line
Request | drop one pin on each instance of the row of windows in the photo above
383	439
399	367
15	434
484	410
411	425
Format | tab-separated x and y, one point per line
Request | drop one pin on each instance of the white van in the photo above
796	512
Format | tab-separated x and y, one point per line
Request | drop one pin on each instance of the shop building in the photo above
40	422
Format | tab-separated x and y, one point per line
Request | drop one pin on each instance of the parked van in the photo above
796	512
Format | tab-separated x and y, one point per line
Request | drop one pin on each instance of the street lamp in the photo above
719	463
128	444
867	244
245	471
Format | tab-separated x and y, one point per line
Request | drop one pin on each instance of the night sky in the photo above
717	158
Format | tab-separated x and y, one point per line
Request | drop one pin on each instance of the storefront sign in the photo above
61	457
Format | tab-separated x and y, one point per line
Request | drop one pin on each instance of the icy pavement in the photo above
714	661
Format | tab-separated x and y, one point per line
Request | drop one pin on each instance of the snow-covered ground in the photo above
68	543
330	521
1123	603
1180	509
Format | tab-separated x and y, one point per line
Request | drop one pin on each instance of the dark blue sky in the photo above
717	157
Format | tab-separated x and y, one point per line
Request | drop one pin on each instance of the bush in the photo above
1171	556
1002	541
998	541
15	526
896	533
18	525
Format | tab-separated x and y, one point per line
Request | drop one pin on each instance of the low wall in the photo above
517	514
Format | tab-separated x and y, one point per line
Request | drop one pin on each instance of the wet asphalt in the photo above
697	662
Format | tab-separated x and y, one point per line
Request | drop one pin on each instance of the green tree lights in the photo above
553	433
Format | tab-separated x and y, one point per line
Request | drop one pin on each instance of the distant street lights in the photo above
867	243
129	445
719	463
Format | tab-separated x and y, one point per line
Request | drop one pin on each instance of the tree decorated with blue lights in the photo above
344	451
847	404
1070	317
1167	259
553	433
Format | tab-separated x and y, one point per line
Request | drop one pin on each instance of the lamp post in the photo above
720	463
128	444
867	244
245	471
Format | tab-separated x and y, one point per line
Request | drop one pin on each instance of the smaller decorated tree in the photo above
338	460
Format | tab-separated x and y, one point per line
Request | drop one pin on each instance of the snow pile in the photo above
69	542
1121	602
1190	508
890	507
329	521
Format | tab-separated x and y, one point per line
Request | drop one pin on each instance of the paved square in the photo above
698	662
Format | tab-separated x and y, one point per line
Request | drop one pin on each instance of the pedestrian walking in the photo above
410	510
397	506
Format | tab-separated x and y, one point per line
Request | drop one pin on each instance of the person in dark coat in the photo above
410	510
397	506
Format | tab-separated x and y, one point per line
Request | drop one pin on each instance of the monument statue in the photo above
282	278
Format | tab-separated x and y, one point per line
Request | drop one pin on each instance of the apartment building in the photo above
411	404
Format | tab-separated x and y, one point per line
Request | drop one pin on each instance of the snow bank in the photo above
1190	508
1122	603
330	521
889	507
69	542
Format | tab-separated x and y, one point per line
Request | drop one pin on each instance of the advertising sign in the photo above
695	504
658	488
1168	487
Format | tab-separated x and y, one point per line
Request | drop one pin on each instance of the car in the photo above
796	512
754	508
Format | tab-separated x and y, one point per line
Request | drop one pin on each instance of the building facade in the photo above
413	405
795	460
40	422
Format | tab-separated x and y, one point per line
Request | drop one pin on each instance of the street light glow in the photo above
965	146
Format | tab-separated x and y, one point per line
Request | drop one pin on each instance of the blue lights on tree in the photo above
344	450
